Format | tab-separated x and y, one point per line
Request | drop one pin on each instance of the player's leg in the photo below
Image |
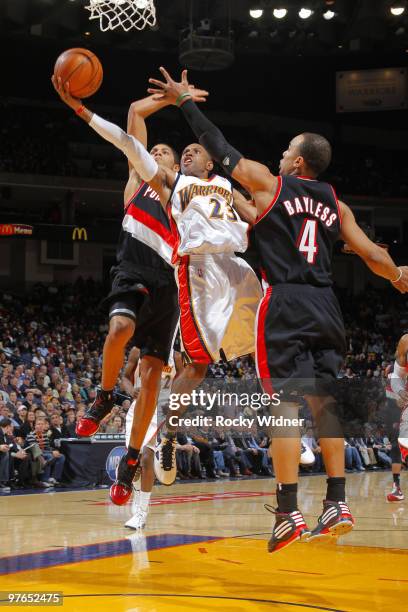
141	509
277	352
150	379
122	324
336	518
165	465
198	341
392	427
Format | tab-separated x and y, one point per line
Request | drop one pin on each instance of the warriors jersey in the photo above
168	373
145	239
203	218
296	233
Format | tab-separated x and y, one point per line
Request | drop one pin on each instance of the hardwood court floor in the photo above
205	549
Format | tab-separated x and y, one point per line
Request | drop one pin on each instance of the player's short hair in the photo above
173	150
316	151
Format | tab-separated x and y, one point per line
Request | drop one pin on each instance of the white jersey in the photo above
205	218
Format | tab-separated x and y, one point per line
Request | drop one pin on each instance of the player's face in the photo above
163	155
290	158
195	161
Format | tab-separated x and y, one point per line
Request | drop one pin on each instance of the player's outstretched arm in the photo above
376	258
250	174
140	110
245	208
160	179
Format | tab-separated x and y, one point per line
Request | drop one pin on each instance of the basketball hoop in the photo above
125	14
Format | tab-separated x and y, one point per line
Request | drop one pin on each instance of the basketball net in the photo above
125	14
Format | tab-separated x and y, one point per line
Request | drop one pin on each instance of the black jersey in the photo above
296	234
145	239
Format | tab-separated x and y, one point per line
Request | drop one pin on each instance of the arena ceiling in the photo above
357	26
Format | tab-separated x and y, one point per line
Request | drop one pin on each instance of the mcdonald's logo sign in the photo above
15	229
79	233
6	229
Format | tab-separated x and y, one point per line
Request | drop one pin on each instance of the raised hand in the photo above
173	92
62	90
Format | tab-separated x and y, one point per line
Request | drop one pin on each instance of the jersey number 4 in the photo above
307	240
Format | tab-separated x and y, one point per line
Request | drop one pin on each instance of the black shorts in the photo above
151	300
301	339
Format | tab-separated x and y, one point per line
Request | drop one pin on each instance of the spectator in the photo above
52	460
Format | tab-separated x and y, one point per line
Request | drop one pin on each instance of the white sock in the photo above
144	500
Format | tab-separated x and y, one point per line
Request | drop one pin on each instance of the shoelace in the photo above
167	455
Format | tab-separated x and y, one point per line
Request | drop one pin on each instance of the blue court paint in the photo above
91	552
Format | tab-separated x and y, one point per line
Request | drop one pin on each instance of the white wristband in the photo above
399	276
141	160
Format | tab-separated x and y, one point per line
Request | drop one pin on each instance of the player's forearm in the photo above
141	160
211	137
380	262
146	106
245	209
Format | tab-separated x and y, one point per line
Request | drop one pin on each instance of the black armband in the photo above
220	150
211	138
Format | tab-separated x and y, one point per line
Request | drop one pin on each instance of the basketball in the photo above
82	69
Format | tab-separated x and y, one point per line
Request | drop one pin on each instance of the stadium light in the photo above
329	15
256	13
397	10
305	13
280	13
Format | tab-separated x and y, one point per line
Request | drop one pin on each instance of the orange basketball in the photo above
82	69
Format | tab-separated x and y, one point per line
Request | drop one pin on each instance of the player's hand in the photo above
62	90
402	284
170	90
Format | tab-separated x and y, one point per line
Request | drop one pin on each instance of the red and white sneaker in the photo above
88	425
289	527
127	471
335	520
396	495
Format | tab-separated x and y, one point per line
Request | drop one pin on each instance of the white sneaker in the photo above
165	466
138	520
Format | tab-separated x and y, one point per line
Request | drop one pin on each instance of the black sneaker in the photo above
88	425
336	519
289	527
127	471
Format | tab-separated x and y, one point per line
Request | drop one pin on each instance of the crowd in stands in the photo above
51	343
38	140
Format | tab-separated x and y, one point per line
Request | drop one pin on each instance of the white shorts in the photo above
150	437
218	297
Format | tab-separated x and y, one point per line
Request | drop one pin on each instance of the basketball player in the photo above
144	293
130	384
300	331
397	400
218	293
